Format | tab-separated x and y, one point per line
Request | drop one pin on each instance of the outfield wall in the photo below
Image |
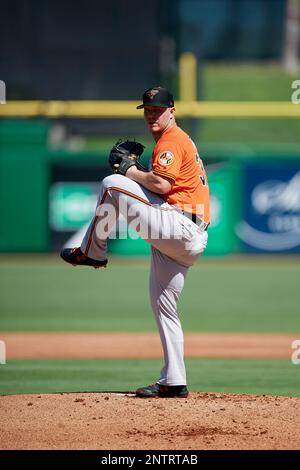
48	196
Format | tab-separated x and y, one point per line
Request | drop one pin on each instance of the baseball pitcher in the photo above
168	205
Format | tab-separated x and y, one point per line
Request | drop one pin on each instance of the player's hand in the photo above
131	171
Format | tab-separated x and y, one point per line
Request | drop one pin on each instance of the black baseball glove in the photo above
125	154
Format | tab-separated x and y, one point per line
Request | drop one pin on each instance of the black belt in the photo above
194	218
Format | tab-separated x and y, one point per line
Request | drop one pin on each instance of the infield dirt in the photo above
146	345
120	421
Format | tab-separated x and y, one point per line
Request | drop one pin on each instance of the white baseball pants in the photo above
176	242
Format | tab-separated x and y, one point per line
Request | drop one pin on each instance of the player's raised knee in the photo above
114	181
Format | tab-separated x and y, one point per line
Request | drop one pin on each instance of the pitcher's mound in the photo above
122	421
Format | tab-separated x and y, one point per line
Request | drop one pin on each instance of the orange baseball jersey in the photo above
175	156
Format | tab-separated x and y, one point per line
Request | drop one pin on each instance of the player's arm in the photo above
155	183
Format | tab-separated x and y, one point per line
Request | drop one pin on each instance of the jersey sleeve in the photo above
167	159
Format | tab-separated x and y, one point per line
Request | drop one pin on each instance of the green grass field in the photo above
43	294
40	293
272	377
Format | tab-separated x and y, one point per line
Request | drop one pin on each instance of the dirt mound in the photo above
122	421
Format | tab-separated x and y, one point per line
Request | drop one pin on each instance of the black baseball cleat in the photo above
75	257
162	391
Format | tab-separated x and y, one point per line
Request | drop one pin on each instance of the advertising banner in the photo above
271	208
71	205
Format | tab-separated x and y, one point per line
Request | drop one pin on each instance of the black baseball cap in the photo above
157	96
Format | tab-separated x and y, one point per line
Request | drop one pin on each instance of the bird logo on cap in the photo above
152	93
